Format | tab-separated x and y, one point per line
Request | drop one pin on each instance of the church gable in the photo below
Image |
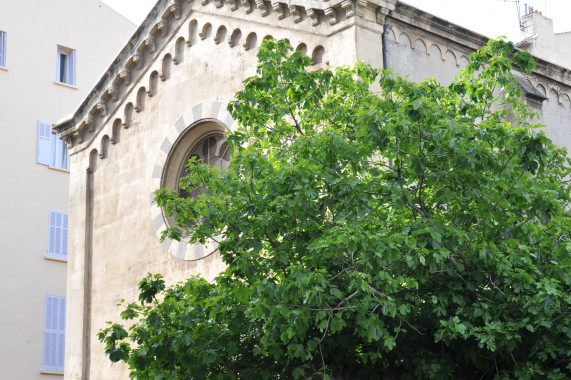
174	26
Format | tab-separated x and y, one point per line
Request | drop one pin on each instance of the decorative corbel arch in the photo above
250	41
206	30
317	55
116	131
140	104
234	39
192	33
166	67
104	147
220	34
179	51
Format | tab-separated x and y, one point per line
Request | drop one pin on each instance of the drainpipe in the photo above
386	29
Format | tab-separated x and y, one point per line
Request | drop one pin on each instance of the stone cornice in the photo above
167	17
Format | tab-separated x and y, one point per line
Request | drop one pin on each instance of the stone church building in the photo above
166	94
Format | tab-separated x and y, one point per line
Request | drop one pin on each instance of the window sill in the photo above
52	258
45	372
58	169
2	68
66	85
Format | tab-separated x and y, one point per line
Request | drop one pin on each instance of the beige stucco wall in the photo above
30	190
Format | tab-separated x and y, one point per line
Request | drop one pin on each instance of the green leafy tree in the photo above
414	231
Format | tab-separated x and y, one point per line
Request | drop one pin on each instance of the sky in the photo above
491	18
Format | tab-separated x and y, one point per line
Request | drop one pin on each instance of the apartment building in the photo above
51	55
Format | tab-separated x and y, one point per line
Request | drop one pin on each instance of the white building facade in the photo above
51	54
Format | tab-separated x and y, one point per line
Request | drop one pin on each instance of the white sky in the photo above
491	18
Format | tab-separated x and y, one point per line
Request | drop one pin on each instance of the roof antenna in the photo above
521	27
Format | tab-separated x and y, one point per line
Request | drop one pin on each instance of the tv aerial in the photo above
521	27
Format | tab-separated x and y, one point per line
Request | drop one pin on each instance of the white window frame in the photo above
58	235
54	334
2	49
65	65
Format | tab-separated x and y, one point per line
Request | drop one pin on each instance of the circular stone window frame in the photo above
195	124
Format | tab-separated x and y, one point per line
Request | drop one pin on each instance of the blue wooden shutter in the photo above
57	235
44	148
54	334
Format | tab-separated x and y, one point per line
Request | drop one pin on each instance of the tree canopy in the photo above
372	227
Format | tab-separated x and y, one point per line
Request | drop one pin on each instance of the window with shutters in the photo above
65	65
2	49
54	334
57	235
51	150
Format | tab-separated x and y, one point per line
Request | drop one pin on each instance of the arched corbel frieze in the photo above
434	48
115	131
166	67
418	42
140	104
205	33
464	61
128	115
396	31
153	79
234	39
104	146
92	163
405	40
192	33
454	56
302	48
178	51
251	41
220	34
317	55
